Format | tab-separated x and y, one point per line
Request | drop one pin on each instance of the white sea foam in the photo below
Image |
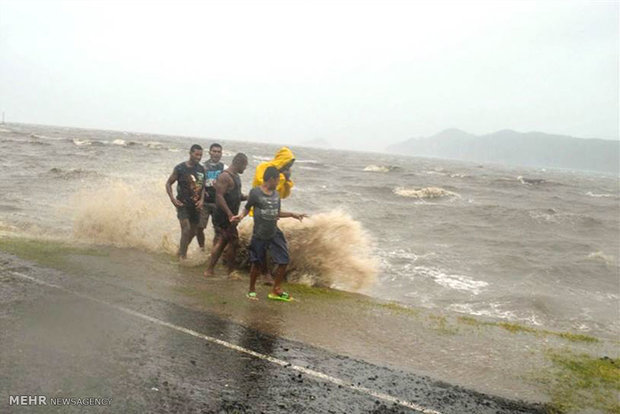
119	142
604	195
377	168
435	173
605	258
45	137
549	216
451	281
530	181
493	310
82	142
402	254
424	193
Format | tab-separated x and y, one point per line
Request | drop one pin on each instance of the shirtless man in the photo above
228	198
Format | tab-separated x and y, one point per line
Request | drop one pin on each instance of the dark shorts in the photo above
190	213
205	213
228	234
277	248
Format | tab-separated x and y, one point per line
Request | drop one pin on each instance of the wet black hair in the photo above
271	172
195	147
215	144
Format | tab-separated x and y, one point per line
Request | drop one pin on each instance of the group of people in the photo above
214	190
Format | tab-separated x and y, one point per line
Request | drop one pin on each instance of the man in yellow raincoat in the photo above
283	161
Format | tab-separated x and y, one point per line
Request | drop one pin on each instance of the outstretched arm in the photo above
246	209
240	216
298	216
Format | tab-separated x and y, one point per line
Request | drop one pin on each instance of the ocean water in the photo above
532	246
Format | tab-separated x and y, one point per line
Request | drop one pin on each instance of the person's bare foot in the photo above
209	273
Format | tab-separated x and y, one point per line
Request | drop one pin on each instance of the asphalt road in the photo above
80	337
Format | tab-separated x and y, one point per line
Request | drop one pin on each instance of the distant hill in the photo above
534	149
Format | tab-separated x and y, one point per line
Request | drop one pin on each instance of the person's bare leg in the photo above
202	226
216	252
193	229
266	275
186	237
280	273
226	253
200	236
254	272
230	255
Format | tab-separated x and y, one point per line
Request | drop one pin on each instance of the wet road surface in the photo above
66	336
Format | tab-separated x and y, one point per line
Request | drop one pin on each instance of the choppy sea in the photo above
532	246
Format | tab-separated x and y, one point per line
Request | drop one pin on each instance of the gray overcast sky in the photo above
358	74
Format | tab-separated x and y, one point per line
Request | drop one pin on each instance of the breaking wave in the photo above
124	215
155	145
553	216
530	181
591	194
381	168
451	281
327	249
424	193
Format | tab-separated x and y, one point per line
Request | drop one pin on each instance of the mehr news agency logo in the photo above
43	400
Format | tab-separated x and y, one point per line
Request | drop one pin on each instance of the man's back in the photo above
232	198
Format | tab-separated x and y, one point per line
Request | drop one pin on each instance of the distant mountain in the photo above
534	149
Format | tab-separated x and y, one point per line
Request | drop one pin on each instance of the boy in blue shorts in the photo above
266	235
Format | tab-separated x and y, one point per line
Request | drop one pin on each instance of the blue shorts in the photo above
276	245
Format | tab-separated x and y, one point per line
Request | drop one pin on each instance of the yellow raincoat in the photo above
283	157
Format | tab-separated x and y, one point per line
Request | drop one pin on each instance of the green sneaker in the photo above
284	297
